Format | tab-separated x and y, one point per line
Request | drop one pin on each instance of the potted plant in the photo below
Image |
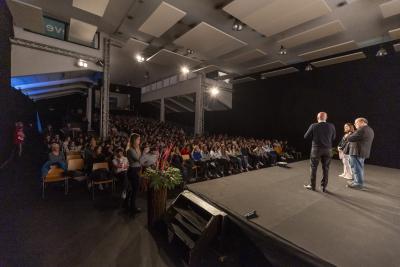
160	180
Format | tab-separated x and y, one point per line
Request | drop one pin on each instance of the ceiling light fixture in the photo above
308	68
189	51
237	25
185	70
214	91
139	58
282	50
381	52
82	63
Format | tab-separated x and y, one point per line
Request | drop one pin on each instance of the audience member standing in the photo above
19	137
322	135
133	154
360	149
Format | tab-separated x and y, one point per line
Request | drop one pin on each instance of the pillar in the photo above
199	109
89	104
105	90
162	110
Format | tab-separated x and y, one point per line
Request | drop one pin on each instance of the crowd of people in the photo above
135	143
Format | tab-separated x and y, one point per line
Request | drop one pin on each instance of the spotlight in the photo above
185	70
189	51
139	58
237	25
82	63
308	68
282	50
214	91
381	52
100	63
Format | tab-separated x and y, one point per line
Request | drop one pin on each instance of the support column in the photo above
162	110
199	109
89	103
105	90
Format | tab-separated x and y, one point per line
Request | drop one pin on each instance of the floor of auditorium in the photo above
345	227
73	230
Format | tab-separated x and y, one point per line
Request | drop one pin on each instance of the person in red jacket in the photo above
19	137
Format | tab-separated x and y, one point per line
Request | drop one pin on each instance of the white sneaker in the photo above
348	177
341	175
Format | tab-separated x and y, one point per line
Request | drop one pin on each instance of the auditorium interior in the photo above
172	133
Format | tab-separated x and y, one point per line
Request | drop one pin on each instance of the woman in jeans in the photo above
343	151
133	154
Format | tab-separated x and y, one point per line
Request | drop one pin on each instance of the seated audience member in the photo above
120	164
176	161
56	158
66	144
67	130
99	174
89	155
197	160
149	157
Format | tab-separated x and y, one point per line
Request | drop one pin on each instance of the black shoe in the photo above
355	186
309	187
323	188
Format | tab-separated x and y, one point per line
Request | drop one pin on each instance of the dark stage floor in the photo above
344	227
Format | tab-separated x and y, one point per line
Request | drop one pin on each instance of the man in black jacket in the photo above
360	148
322	135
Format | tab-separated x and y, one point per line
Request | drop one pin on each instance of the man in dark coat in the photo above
322	135
360	149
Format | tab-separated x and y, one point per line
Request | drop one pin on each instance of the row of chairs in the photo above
75	170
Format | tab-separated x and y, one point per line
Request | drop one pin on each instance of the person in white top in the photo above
120	164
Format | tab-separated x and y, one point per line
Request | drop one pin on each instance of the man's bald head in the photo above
322	116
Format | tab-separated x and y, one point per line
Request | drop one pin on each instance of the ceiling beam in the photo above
52	83
180	104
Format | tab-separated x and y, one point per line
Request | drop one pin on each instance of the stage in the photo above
344	227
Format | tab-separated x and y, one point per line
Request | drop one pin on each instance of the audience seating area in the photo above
85	157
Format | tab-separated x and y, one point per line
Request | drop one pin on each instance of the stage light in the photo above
308	68
189	51
139	58
381	52
100	63
185	70
282	50
237	25
214	91
82	63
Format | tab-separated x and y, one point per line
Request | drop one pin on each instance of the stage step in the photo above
194	218
183	236
187	224
195	223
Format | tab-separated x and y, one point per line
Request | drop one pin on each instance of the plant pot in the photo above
156	205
